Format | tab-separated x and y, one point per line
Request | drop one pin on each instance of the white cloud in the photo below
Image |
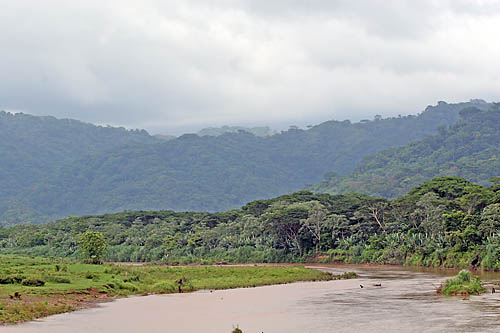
178	66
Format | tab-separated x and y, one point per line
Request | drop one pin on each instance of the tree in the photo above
430	210
340	228
477	197
285	222
374	212
315	223
491	219
93	245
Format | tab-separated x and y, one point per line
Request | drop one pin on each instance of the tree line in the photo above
447	222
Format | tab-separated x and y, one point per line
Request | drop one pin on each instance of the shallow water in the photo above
406	302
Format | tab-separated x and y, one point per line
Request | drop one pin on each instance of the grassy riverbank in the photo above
33	287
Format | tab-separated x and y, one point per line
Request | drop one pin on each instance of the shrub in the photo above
11	279
164	287
463	284
33	282
346	276
58	279
132	278
6	280
127	286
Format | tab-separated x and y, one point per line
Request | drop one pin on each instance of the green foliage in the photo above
33	147
53	168
346	276
491	219
11	279
469	148
445	222
57	279
93	245
33	282
463	284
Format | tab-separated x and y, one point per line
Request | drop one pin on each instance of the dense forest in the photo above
54	168
470	148
33	147
447	221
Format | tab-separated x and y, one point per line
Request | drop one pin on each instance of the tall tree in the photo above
315	223
93	245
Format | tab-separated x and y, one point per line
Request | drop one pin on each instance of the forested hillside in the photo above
447	222
33	147
216	131
470	148
54	168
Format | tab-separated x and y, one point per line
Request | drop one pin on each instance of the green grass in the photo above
71	285
346	276
463	284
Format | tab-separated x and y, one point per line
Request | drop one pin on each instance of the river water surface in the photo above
406	301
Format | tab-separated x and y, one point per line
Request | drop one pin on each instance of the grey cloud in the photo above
178	66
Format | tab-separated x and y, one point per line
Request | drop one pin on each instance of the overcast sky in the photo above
177	66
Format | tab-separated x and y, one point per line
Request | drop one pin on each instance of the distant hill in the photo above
470	148
33	147
52	168
164	137
216	131
48	141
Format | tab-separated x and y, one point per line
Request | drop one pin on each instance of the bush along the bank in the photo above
346	276
463	284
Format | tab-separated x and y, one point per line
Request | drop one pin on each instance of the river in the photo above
406	301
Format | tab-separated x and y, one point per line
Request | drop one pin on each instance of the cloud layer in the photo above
177	66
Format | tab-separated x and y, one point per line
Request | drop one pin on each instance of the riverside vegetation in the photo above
463	284
35	287
445	222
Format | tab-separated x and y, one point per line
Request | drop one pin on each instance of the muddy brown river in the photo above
406	301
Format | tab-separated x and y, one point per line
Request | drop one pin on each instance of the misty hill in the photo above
216	131
164	137
470	148
54	168
32	147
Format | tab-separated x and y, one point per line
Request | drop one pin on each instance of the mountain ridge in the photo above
117	169
469	148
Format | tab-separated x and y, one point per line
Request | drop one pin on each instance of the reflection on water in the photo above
405	301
